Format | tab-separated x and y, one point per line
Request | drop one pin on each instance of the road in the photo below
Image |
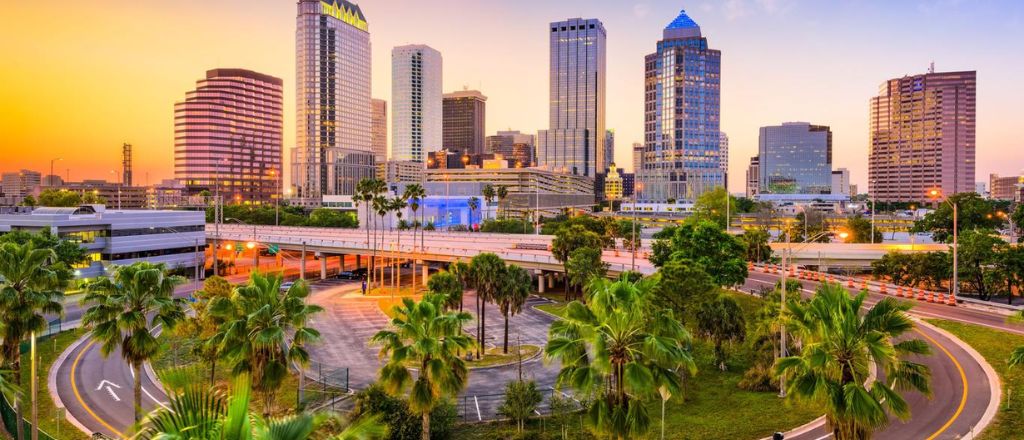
961	390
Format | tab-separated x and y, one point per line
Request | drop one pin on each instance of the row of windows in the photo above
156	230
148	254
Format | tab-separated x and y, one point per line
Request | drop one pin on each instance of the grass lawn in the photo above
494	356
995	346
48	351
712	405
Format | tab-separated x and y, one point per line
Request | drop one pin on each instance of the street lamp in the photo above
51	169
1013	229
252	245
277	201
639	186
935	194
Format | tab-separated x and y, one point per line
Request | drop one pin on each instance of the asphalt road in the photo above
960	389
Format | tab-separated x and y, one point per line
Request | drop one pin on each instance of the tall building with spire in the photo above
682	141
575	138
333	116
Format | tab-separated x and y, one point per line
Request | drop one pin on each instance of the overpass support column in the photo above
540	281
551	280
323	266
302	263
426	272
358	261
341	262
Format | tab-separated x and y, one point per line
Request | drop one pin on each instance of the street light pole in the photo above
872	220
956	252
782	304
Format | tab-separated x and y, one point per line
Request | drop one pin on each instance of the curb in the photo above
994	383
51	383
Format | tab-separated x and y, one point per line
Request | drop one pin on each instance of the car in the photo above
348	275
359	273
287	285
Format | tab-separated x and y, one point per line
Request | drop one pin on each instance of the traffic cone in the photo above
750	266
849	283
920	295
864	285
899	291
951	301
931	296
831	279
885	290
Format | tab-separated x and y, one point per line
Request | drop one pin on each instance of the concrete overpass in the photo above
832	255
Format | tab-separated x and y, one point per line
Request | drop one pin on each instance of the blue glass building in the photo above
795	158
682	154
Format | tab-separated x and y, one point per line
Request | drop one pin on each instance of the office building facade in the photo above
922	137
575	138
723	157
609	150
416	102
18	184
754	177
228	136
841	181
516	146
379	130
1004	187
333	148
795	158
463	121
682	107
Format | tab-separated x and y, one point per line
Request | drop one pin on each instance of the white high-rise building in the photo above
841	182
332	70
575	139
723	157
416	102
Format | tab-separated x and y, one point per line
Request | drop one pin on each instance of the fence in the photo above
325	387
7	411
485	407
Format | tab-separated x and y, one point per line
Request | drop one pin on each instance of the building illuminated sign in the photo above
343	13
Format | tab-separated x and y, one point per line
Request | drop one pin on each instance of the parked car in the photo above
286	285
348	275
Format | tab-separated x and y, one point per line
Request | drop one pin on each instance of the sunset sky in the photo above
78	79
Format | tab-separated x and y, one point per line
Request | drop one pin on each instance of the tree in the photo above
59	198
711	206
264	331
365	192
29	288
720	254
473	203
570	238
756	242
488	271
415	194
583	266
402	424
330	218
29	200
1010	267
977	252
126	307
67	253
488	193
683	285
721	321
448	285
895	265
512	294
502	193
203	325
398	205
859	229
973	212
932	268
618	350
422	334
812	222
840	343
205	413
521	400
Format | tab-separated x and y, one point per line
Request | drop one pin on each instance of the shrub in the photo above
402	423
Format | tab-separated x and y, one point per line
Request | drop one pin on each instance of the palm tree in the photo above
474	203
721	320
12	393
398	204
126	308
488	274
414	193
512	294
265	330
364	194
381	205
502	193
839	345
488	193
618	349
28	289
447	284
424	335
206	413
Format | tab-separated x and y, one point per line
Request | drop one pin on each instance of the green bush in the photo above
507	226
403	424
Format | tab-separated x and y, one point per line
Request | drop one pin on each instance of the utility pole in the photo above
782	308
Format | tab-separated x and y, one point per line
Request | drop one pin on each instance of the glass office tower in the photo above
574	140
795	158
332	71
682	142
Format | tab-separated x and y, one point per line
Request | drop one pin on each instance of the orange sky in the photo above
80	78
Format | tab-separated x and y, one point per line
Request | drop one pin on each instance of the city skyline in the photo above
830	85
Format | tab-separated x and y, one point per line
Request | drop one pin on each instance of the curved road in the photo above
961	391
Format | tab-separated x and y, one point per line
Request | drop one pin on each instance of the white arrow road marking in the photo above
110	388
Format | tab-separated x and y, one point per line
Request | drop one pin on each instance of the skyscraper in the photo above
332	145
682	145
416	108
228	136
795	158
723	158
922	136
638	155
574	140
609	150
379	130
841	182
754	177
463	121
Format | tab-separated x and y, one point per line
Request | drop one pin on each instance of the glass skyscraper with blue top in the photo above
682	156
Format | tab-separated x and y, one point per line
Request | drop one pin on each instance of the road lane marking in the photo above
963	379
144	390
110	388
78	396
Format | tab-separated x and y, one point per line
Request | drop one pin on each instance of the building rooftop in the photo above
682	27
